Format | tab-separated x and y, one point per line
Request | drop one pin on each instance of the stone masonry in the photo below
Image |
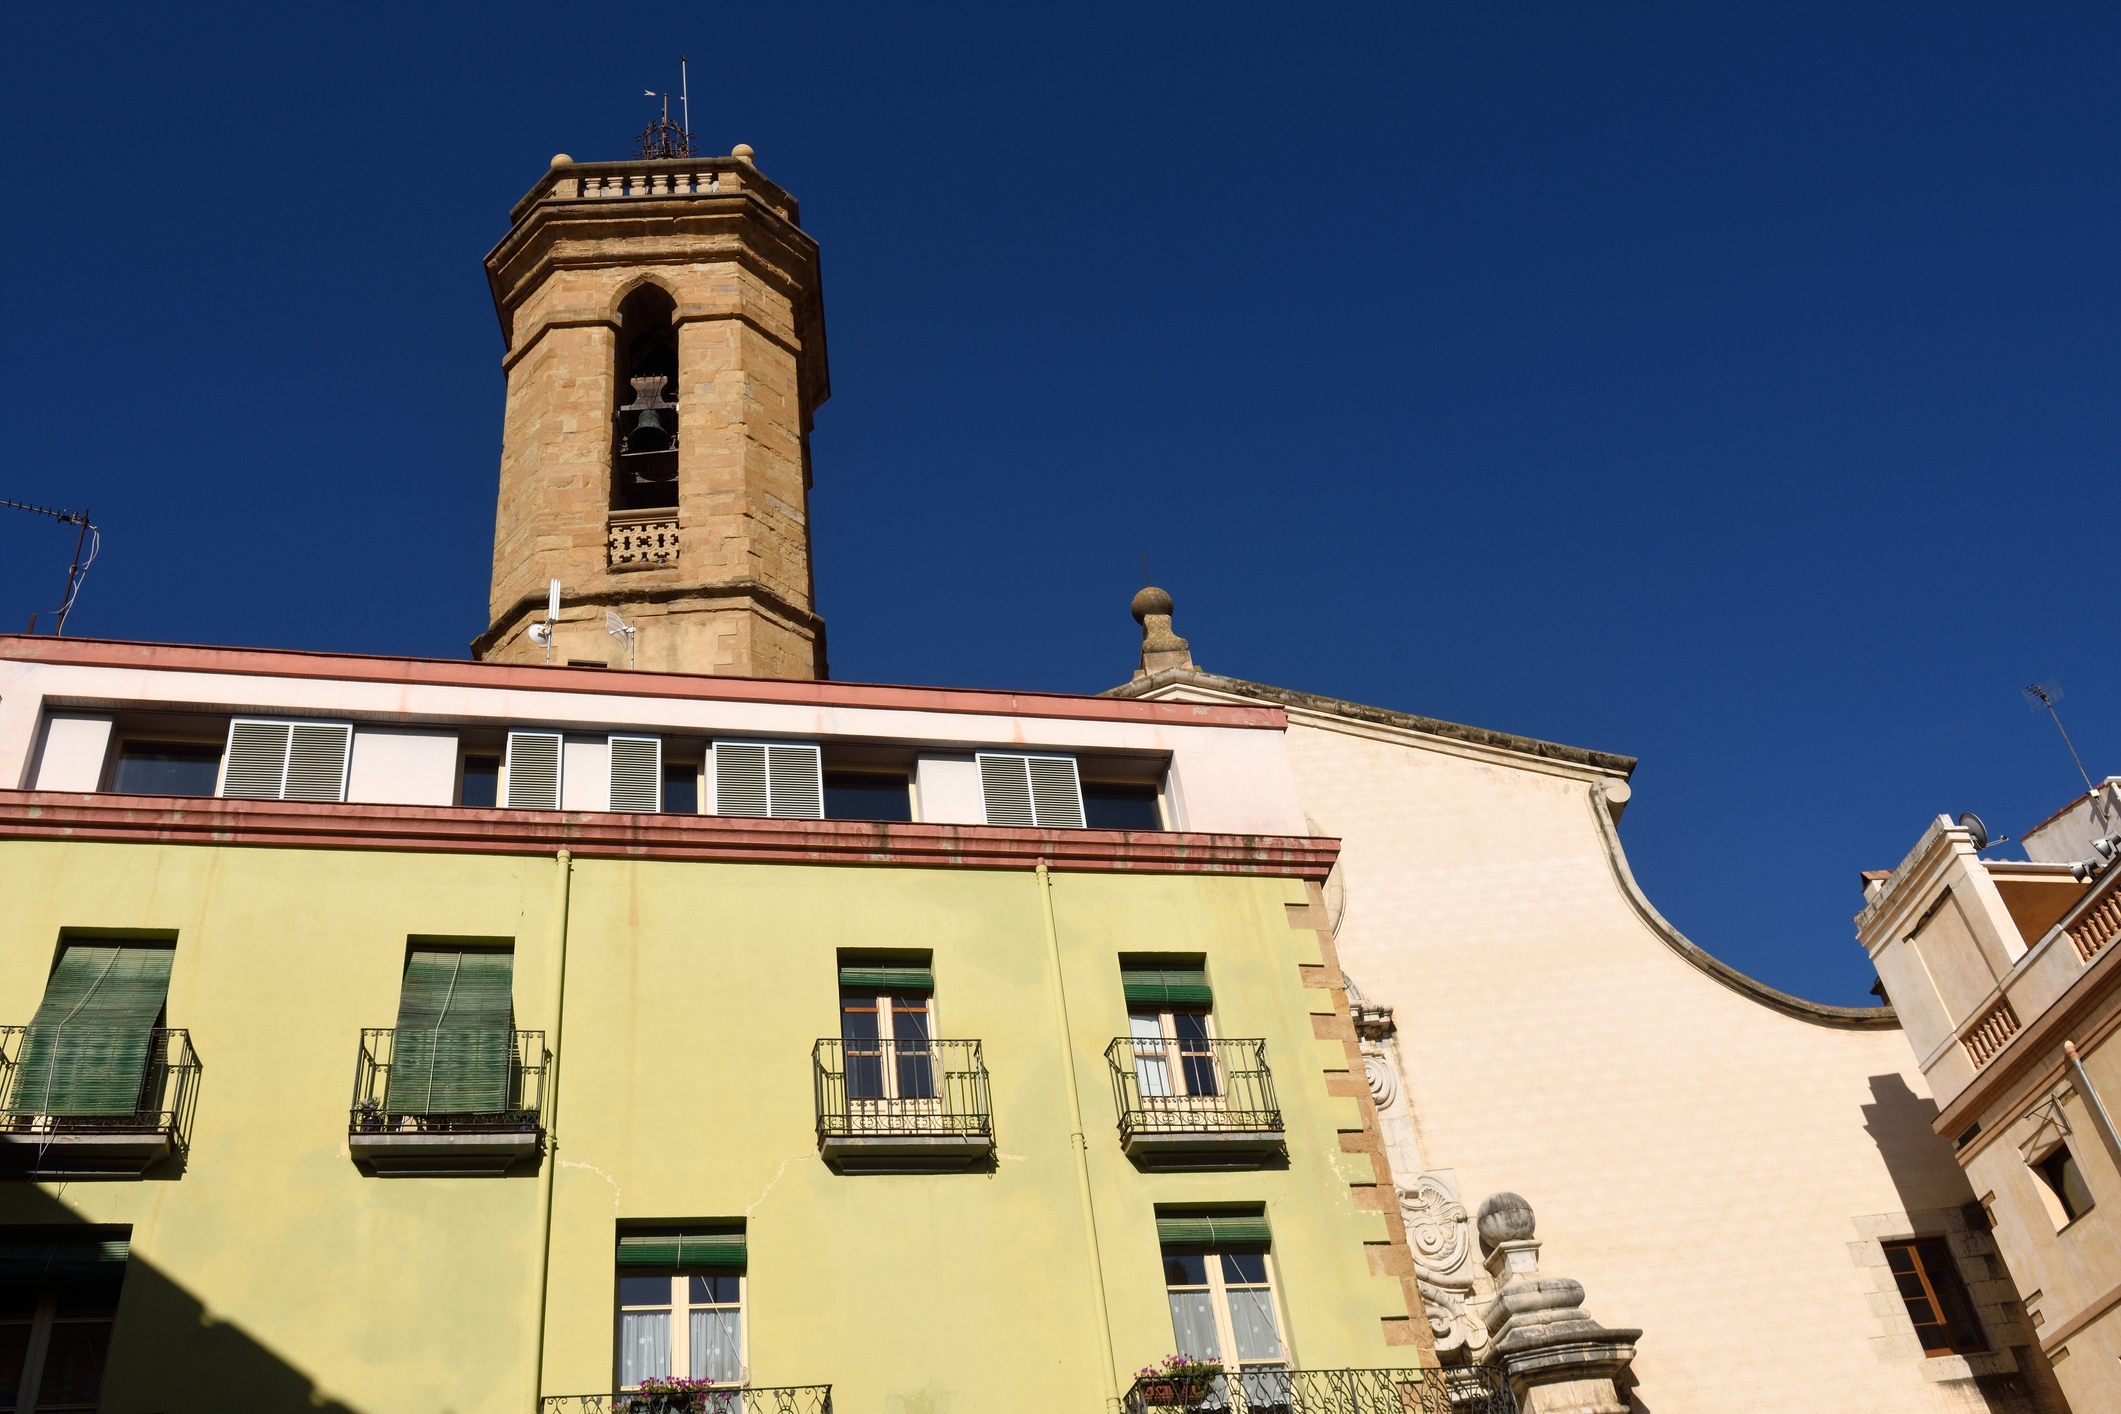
736	597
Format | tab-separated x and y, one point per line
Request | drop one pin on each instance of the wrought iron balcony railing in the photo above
435	1134
1459	1391
902	1104
1194	1101
775	1399
42	1138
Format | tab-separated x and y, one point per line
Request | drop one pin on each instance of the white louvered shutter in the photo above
533	771
637	773
1005	783
1031	790
316	761
795	787
1056	797
740	778
255	765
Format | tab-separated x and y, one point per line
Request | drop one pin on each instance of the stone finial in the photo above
1161	648
561	159
1556	1356
742	152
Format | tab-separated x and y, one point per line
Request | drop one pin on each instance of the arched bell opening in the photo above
644	449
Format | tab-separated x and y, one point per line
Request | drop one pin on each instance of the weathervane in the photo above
663	138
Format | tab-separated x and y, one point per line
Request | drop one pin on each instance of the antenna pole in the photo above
2071	745
685	95
1145	571
73	572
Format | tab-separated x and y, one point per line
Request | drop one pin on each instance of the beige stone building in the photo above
2002	973
1733	1170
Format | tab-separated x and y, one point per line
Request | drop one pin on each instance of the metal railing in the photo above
169	1088
775	1399
901	1088
523	1096
1474	1390
1191	1086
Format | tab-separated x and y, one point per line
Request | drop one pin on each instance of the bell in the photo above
649	434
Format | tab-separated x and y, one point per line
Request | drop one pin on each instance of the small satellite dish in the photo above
1971	823
541	634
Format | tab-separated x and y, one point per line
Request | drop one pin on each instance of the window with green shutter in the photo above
693	1249
456	1032
1211	1229
86	1049
1166	986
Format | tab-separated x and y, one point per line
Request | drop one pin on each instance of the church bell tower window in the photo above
644	452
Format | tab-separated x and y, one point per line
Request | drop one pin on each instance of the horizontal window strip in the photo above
1174	987
26	1261
888	979
1213	1230
723	1249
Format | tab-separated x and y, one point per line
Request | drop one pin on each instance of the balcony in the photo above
902	1106
121	1138
1195	1103
398	1138
776	1399
1456	1391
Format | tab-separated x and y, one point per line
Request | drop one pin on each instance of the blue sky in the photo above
1732	388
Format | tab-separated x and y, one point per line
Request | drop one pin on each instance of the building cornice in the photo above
184	820
451	672
1325	711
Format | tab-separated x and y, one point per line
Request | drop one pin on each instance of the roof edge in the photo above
1381	716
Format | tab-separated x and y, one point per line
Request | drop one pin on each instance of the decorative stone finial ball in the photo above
561	159
742	152
1505	1217
1151	601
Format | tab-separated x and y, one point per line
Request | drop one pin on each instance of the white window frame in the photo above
559	771
1176	1095
611	774
680	1309
1219	1304
287	753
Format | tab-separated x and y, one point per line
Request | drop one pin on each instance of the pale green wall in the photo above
694	993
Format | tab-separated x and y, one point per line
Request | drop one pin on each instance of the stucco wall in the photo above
694	994
1711	1169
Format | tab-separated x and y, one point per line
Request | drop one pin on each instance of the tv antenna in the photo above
77	572
620	629
2047	694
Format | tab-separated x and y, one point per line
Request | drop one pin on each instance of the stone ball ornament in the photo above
1151	601
1505	1217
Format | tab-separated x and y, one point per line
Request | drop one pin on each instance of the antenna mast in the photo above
2047	694
78	570
685	95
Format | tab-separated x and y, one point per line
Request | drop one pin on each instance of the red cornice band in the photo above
152	819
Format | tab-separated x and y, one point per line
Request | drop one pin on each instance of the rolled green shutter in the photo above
456	1033
1169	987
1213	1230
27	1261
721	1249
86	1049
887	979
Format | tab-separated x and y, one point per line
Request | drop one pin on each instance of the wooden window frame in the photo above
1218	1289
1913	1246
43	1320
1180	1094
680	1306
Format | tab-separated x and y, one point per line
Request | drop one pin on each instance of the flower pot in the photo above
1178	1391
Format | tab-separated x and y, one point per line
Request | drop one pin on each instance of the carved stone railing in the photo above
643	538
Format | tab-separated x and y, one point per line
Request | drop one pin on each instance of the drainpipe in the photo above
2092	1104
558	1012
1076	1140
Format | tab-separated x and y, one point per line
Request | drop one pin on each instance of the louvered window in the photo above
760	778
268	760
455	1037
637	773
86	1049
533	770
1031	790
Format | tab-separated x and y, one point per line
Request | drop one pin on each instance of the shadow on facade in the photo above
1920	1164
169	1354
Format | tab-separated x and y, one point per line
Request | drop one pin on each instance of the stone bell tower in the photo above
666	353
